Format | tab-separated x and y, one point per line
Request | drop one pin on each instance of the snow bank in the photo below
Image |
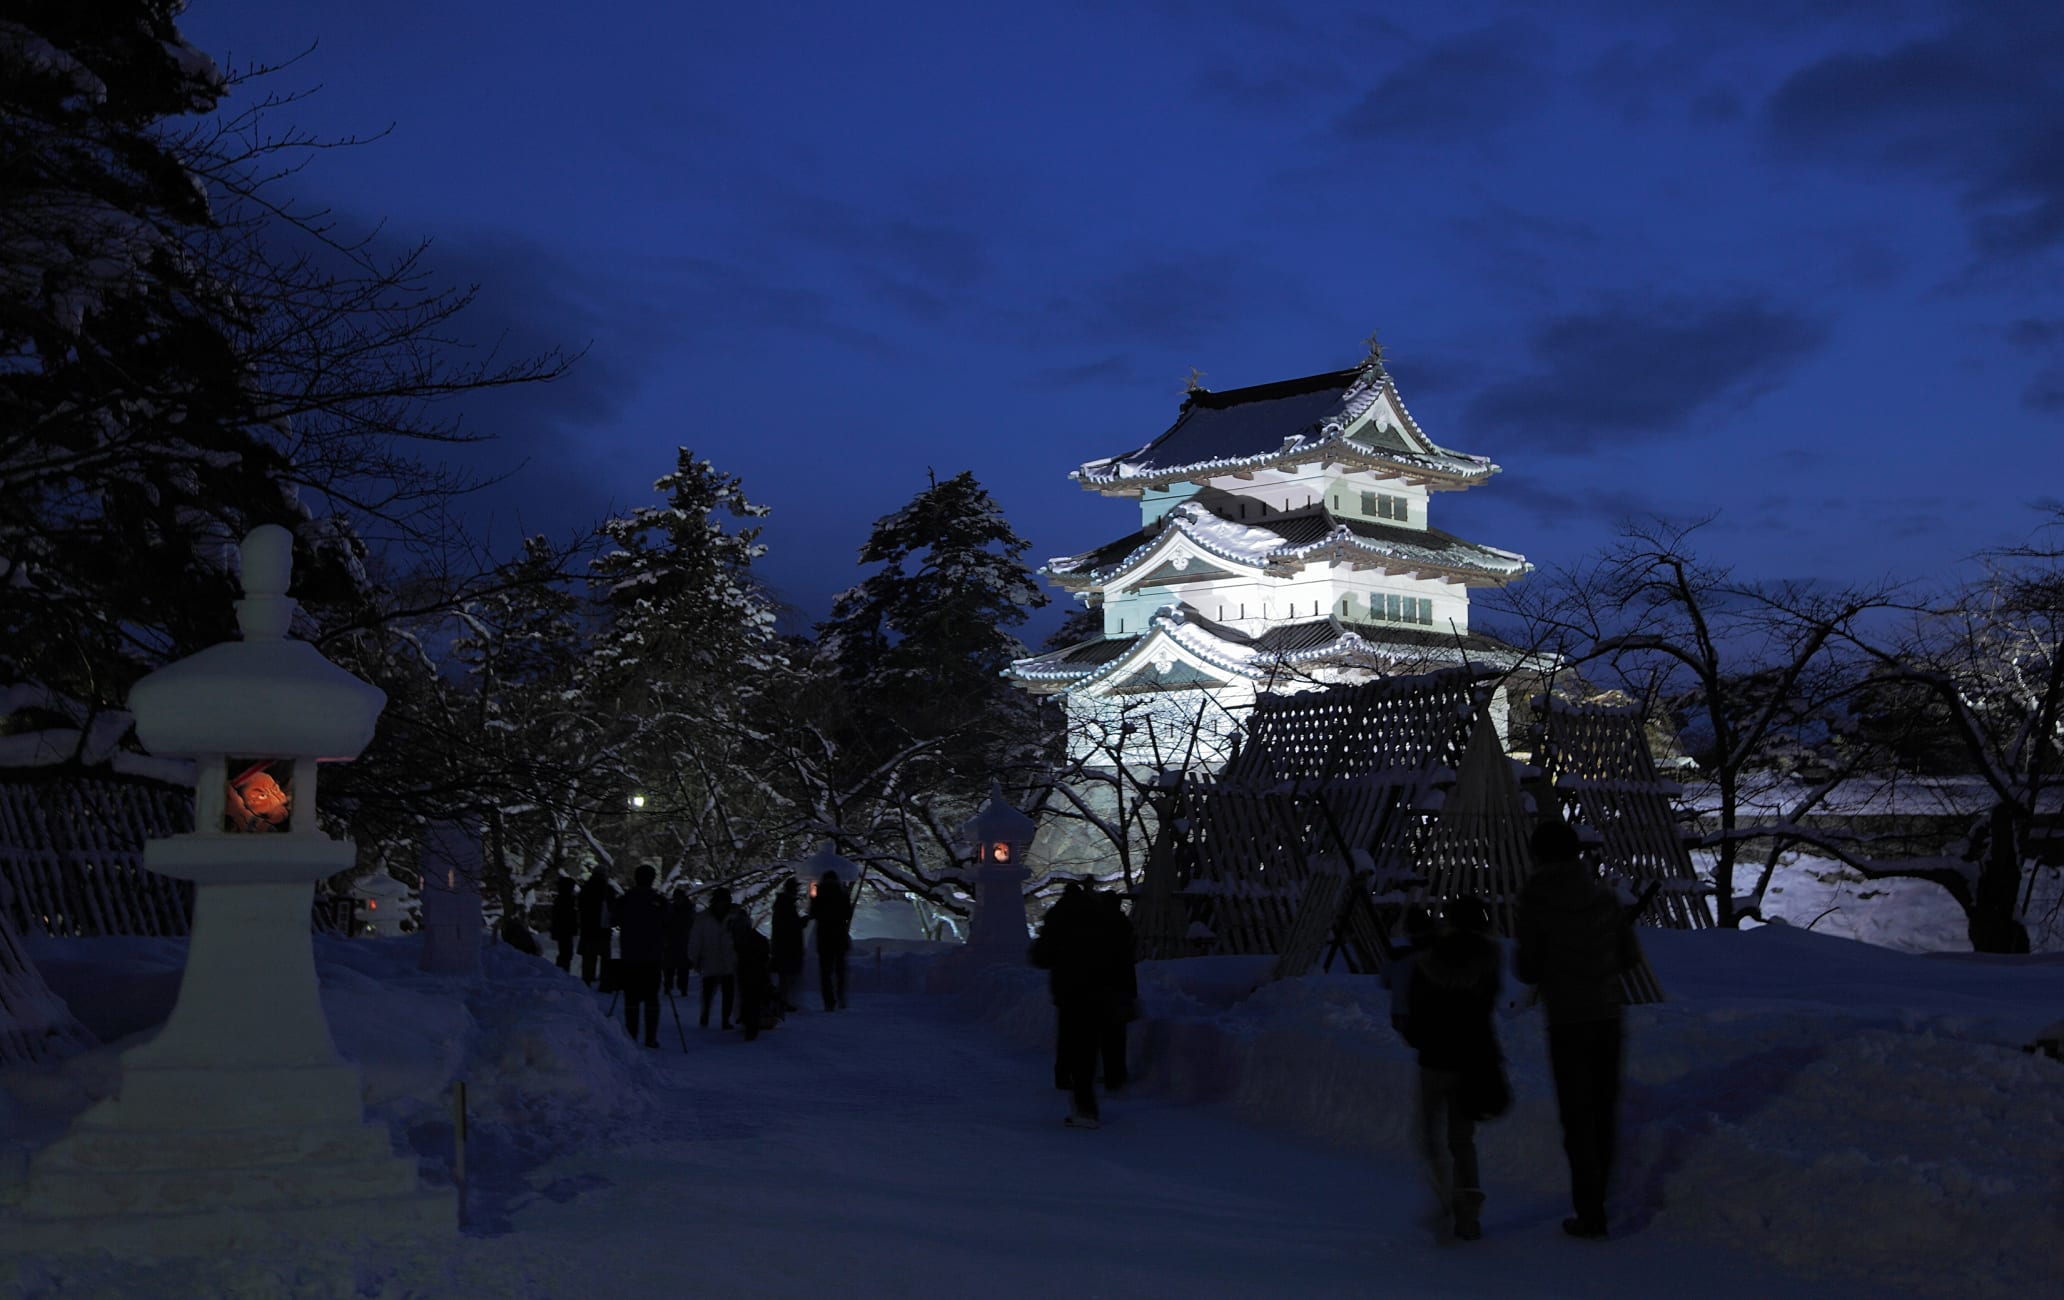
545	1072
1846	1110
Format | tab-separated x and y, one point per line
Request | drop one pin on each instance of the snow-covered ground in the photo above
1805	1116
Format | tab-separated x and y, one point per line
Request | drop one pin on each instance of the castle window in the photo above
1368	503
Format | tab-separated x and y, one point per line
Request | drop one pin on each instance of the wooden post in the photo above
459	1144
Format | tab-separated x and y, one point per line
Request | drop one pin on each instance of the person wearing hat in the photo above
1576	938
1451	1001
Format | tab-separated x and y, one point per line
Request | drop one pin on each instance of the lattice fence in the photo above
1601	772
1478	845
71	855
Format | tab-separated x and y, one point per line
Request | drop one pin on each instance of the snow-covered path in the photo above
900	1149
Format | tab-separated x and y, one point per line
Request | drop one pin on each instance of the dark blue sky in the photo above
1803	269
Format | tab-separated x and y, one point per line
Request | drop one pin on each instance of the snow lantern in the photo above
241	1105
999	835
811	869
385	901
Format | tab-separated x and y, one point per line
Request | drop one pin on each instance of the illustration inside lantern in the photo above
260	795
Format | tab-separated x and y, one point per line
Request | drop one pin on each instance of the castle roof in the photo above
1354	417
1288	541
1180	646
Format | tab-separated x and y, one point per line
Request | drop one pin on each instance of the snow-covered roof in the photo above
1290	539
1354	416
1178	631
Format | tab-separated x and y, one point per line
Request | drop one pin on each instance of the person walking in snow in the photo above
1419	931
1576	939
641	948
1076	958
1121	957
831	910
565	922
1452	998
785	958
752	949
680	922
711	953
596	894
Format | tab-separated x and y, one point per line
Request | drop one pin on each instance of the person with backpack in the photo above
713	956
752	950
1076	959
1451	1003
596	894
565	922
680	923
785	957
1576	939
831	910
641	938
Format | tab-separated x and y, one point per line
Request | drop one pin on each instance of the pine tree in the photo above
924	640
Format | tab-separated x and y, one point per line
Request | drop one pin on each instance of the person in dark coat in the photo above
596	894
785	958
1452	999
680	922
1576	939
641	937
1121	945
712	954
1420	928
753	979
565	922
831	909
1076	958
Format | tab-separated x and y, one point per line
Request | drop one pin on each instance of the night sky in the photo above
1801	268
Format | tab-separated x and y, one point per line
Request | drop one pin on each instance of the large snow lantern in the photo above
241	1104
998	835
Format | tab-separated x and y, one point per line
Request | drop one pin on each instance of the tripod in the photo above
679	1032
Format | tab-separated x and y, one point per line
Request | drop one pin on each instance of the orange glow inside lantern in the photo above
260	797
999	853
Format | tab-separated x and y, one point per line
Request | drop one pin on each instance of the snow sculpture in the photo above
999	835
453	922
239	1117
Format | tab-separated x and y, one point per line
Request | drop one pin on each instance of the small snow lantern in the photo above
999	836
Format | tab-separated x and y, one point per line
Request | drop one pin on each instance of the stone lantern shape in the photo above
998	835
241	1106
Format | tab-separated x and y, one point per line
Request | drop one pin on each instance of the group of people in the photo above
750	977
1575	939
1088	949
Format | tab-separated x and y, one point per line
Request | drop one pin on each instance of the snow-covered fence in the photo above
1602	774
71	854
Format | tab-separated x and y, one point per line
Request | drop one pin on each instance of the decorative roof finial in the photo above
1191	385
1375	347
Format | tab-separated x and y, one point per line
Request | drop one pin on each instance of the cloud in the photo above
1636	370
1459	88
1559	506
1160	300
2044	340
1979	104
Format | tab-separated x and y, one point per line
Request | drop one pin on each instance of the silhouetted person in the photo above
680	923
1419	931
1121	954
1076	958
516	933
1575	941
565	922
752	949
1453	996
596	894
786	956
710	950
832	911
641	947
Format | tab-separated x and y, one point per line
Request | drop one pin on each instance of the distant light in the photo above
637	801
372	904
